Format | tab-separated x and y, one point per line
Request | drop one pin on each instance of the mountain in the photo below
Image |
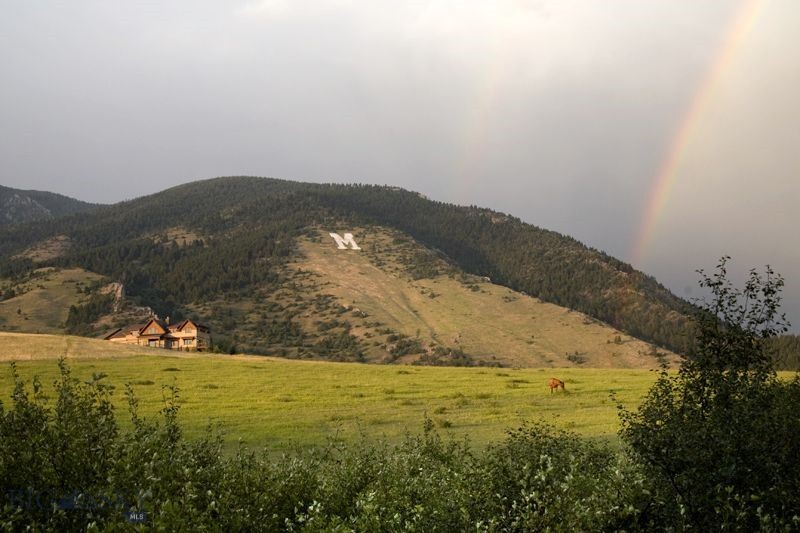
18	206
252	257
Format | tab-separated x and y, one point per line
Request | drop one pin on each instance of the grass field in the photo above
281	403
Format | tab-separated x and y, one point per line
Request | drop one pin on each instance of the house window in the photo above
187	342
152	342
152	330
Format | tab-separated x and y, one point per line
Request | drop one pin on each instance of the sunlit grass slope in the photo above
27	346
488	321
281	403
44	305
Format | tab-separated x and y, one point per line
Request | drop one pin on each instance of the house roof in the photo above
114	334
180	325
157	322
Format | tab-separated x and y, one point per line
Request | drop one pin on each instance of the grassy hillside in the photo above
393	301
238	234
451	310
278	402
43	299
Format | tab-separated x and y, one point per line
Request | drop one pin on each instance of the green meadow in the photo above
282	404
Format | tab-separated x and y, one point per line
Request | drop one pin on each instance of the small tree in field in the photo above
721	437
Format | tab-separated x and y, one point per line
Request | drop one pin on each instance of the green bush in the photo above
720	438
405	346
542	479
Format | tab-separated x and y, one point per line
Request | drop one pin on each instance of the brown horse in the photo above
554	383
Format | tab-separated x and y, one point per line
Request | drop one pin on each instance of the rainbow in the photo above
668	171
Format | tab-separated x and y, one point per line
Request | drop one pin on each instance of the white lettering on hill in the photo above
342	242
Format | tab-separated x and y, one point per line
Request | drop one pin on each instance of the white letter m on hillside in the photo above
343	242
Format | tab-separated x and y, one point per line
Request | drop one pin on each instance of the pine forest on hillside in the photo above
247	230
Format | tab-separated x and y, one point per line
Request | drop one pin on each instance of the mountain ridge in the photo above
19	206
247	227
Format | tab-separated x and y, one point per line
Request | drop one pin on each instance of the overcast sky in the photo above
560	112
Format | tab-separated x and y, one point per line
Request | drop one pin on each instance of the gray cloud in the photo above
558	112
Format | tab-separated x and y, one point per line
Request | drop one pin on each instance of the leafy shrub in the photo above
577	358
720	439
442	356
541	479
339	347
406	346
